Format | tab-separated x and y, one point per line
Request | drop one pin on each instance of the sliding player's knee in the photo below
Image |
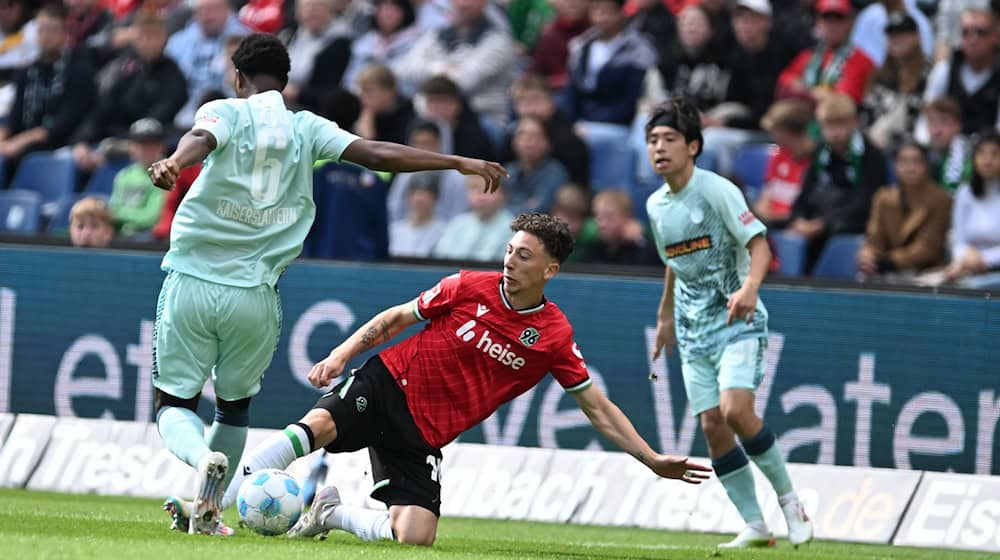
323	427
233	413
408	532
163	400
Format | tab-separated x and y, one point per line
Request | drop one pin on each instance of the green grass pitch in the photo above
42	525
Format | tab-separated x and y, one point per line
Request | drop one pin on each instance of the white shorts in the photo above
740	365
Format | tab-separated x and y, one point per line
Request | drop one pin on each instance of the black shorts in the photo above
370	411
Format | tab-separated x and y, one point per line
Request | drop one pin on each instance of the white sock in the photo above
759	524
276	452
785	499
367	524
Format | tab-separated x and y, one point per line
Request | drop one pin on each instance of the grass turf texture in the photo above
36	525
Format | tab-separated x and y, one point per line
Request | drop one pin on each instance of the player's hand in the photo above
492	172
164	173
666	338
742	304
327	370
680	468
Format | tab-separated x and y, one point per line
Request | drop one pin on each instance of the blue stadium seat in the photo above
59	223
493	131
839	257
708	160
790	249
102	180
612	164
51	176
20	212
351	216
750	166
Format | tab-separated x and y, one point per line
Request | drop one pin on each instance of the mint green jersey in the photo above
246	216
701	234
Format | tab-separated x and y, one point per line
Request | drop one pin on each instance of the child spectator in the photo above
788	123
618	238
91	223
480	234
135	201
417	235
951	164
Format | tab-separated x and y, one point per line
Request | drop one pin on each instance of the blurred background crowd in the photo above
864	134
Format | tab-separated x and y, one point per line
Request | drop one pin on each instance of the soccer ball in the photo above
269	502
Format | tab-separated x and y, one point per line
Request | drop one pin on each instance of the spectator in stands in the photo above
895	97
572	204
18	46
53	93
844	175
834	64
418	233
526	19
320	53
198	50
88	25
971	74
607	66
975	243
135	201
385	114
870	35
444	103
532	98
452	199
615	236
551	55
950	156
788	123
91	223
392	36
948	24
909	222
161	231
143	83
474	53
534	174
654	20
480	234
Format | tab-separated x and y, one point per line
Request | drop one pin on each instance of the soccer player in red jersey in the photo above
490	337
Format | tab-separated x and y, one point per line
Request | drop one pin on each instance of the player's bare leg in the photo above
733	469
761	445
413	525
408	524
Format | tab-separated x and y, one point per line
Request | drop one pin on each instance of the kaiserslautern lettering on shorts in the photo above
207	329
740	365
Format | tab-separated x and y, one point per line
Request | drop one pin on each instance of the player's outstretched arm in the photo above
396	158
193	147
614	425
380	329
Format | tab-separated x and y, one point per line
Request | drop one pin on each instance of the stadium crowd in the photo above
864	134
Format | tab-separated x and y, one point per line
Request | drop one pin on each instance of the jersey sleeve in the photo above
569	367
439	299
729	202
655	227
218	118
329	140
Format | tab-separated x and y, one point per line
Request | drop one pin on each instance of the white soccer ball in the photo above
270	502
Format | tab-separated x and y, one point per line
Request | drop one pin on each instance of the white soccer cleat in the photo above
180	516
751	537
205	515
800	527
312	522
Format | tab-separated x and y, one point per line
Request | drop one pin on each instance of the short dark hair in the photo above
977	183
550	230
54	10
681	115
441	86
261	54
424	125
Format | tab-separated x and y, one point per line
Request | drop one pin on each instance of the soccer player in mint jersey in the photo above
489	337
716	257
243	221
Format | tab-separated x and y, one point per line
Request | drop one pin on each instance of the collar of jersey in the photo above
503	298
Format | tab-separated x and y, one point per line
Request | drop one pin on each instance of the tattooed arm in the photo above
380	329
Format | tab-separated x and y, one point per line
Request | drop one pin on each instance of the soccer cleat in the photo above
180	514
800	527
205	517
312	522
751	537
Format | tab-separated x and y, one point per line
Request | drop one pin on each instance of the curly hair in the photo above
261	54
550	230
680	114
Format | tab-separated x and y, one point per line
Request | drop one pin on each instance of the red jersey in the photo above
477	353
853	78
783	180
